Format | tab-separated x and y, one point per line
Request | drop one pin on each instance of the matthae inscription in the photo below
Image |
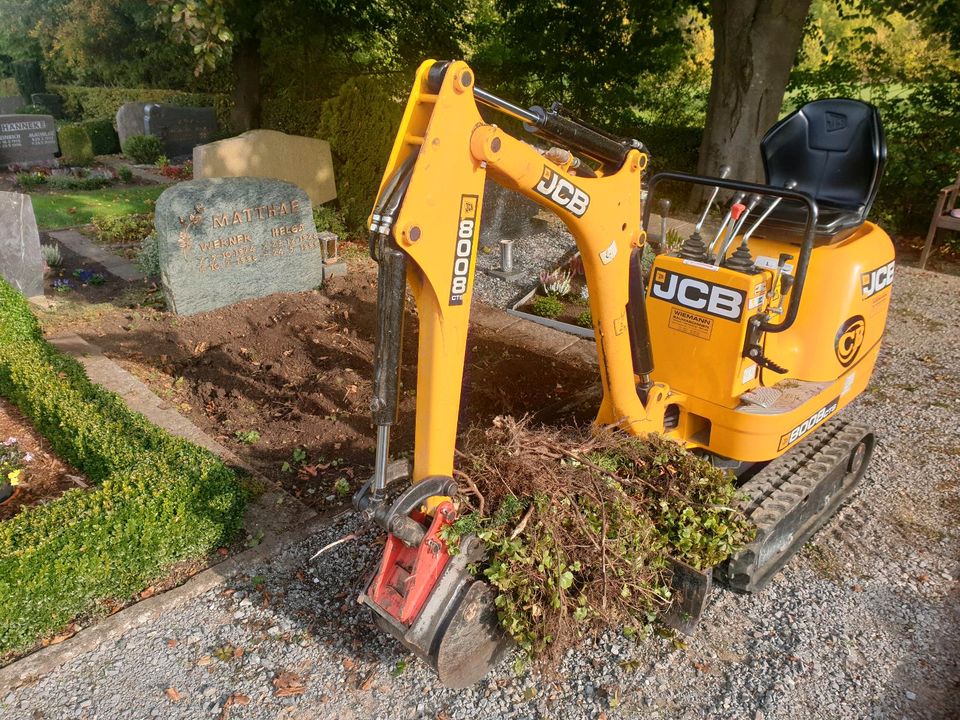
229	239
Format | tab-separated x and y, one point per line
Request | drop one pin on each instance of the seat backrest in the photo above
834	149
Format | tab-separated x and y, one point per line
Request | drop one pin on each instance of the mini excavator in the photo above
743	347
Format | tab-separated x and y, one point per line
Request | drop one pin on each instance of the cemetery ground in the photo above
865	622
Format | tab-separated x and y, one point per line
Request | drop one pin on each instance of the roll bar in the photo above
738	185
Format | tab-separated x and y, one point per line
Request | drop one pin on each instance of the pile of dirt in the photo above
285	380
579	525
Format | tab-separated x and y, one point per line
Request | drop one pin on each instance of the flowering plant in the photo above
12	462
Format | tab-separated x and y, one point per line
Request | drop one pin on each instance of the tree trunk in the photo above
755	43
245	113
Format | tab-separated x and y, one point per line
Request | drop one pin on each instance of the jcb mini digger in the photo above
743	346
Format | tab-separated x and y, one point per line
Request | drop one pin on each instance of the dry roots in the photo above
578	526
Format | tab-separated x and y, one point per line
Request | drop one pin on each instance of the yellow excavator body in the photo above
716	352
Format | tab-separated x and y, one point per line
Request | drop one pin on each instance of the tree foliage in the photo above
589	55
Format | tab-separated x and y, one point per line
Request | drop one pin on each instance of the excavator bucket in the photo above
426	597
456	632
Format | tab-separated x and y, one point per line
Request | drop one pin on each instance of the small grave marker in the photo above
21	264
223	240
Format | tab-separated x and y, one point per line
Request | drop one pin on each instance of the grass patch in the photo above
58	210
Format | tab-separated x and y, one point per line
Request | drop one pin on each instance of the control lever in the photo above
693	247
664	205
736	227
724	171
726	218
778	276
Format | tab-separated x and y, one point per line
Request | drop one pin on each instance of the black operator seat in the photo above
835	150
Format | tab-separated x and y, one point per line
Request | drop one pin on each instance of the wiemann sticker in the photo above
691	323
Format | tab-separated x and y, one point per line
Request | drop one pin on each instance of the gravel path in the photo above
864	623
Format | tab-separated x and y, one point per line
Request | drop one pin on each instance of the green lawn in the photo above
80	207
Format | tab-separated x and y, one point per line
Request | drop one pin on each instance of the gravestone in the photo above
179	128
130	121
21	264
223	240
51	101
304	161
28	139
9	104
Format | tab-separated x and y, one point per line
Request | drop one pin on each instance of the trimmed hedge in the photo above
29	77
159	499
75	146
104	138
92	103
360	124
672	147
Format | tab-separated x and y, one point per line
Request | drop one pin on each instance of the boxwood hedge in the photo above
158	499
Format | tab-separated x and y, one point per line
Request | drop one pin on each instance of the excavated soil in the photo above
290	374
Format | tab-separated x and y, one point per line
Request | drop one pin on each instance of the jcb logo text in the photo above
876	280
717	300
563	192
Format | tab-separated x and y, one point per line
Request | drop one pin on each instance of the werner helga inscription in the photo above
27	139
224	240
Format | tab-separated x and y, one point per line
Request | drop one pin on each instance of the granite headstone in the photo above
51	101
223	240
179	128
130	121
27	139
21	264
304	161
9	104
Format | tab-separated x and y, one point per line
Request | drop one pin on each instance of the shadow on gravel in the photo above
930	687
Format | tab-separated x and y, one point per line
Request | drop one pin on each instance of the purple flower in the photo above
9	441
28	457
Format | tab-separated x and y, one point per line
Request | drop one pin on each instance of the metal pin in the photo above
506	256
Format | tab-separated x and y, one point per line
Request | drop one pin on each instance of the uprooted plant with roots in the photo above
578	526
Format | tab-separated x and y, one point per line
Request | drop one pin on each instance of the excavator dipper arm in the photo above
424	231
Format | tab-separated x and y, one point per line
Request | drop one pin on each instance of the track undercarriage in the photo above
793	496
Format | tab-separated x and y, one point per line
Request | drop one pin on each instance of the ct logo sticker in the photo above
850	339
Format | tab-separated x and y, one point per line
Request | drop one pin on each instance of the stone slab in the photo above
28	139
20	261
223	240
179	128
114	264
304	161
9	104
51	101
131	121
